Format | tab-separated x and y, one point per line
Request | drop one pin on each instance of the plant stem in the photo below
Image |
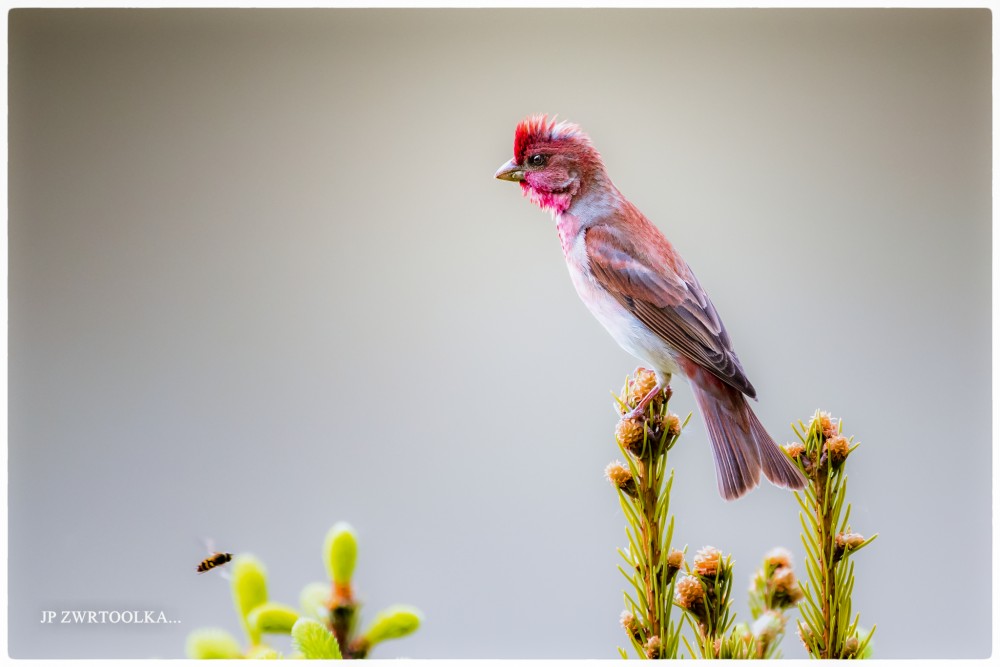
650	533
823	522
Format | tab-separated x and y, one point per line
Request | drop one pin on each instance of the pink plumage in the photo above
646	296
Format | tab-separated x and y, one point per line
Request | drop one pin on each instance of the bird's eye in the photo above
536	160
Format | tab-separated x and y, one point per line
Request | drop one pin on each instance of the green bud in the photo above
261	652
272	617
249	584
313	600
314	641
340	552
393	623
212	644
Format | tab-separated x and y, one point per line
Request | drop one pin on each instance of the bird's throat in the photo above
568	227
554	202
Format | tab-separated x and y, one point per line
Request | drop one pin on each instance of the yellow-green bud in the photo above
393	623
314	641
249	585
340	553
212	644
261	652
272	617
314	600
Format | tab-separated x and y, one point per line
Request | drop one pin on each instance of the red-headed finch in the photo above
645	295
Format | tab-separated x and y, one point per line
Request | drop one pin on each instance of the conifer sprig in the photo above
829	627
643	485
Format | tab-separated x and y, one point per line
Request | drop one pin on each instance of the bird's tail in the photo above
740	443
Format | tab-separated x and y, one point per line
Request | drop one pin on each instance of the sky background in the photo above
262	280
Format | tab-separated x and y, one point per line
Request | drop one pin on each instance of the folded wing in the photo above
662	292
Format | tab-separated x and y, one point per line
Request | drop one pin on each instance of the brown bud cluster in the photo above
641	384
767	628
629	433
794	450
620	476
807	638
778	557
837	448
846	542
688	592
627	620
671	423
707	561
675	561
638	387
784	588
849	540
826	425
850	647
653	647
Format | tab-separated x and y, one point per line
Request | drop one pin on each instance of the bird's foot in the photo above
639	413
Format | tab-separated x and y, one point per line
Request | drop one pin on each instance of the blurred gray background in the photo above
262	279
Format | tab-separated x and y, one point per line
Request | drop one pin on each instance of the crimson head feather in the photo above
553	161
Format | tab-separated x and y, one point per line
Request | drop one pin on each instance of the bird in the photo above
642	291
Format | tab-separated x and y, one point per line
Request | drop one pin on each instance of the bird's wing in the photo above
668	301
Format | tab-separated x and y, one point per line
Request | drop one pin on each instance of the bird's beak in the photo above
510	171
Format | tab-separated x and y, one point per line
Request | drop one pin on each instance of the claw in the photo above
640	410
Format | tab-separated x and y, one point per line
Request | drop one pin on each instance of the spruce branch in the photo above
827	628
705	595
643	485
773	590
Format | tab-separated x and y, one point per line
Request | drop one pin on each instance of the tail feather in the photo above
740	444
776	465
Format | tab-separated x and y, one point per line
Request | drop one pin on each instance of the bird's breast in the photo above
628	331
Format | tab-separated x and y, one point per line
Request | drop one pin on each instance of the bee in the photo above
215	560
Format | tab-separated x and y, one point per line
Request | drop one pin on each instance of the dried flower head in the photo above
675	561
620	476
837	448
641	384
768	626
849	540
826	425
672	425
778	557
629	433
785	587
627	620
707	561
805	636
794	449
845	543
688	591
653	647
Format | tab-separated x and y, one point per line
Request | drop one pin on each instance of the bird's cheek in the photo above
548	181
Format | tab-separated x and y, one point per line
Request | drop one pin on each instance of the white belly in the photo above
633	336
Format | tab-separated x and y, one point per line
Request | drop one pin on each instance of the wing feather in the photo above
659	289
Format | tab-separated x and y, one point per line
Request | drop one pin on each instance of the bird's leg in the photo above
640	410
662	384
